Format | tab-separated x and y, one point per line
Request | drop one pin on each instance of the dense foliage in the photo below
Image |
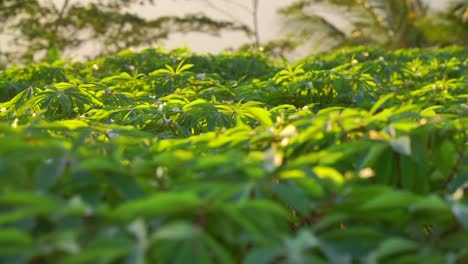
351	156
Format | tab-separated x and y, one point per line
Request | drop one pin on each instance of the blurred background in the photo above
44	30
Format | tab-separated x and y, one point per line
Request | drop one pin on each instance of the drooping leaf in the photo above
162	204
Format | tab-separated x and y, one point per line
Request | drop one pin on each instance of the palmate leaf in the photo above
63	99
203	116
20	102
182	67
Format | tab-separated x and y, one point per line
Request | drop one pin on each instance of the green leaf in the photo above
311	186
414	176
190	252
266	206
184	233
394	245
390	200
183	67
263	255
101	250
236	216
293	197
72	124
26	206
199	103
373	155
328	173
262	115
342	245
380	102
48	174
13	241
162	204
432	203
386	169
222	254
53	55
330	220
97	164
455	241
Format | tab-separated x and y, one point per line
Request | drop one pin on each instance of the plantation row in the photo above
171	157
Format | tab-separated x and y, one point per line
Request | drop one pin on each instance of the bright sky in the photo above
269	24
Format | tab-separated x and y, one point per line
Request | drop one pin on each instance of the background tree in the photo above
41	28
252	9
449	26
391	24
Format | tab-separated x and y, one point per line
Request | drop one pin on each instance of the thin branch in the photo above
255	23
242	6
223	11
57	23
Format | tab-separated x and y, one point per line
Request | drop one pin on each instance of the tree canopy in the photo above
390	24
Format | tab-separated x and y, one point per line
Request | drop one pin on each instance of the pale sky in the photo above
269	20
269	24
